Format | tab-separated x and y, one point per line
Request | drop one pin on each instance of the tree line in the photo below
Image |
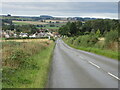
98	26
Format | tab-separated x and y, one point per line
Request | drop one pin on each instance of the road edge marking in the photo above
113	76
94	64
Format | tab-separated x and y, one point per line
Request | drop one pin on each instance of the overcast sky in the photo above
64	9
59	0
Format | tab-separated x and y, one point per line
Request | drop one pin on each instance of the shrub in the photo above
70	40
77	41
93	40
111	36
88	40
100	45
85	40
111	40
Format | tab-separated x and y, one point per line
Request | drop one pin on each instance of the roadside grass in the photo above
44	62
103	52
33	71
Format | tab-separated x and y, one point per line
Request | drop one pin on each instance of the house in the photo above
15	35
7	36
23	34
41	34
50	34
34	35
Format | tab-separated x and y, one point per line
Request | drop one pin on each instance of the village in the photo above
42	33
34	27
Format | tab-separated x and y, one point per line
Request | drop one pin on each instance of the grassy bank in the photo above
26	65
104	52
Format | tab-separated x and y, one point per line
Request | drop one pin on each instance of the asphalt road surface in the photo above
72	68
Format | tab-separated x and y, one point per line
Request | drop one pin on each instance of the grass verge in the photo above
33	71
107	53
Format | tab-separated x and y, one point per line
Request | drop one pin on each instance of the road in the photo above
72	68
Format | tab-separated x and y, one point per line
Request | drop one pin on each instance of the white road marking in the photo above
113	76
93	64
81	57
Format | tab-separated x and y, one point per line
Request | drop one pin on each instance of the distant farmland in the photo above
29	22
61	21
38	22
46	24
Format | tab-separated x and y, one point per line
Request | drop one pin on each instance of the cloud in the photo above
103	9
60	0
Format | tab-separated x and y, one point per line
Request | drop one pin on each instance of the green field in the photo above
21	23
46	25
29	22
16	18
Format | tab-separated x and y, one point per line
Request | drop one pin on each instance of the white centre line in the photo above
93	64
113	76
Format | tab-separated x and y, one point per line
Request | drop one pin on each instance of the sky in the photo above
62	9
60	0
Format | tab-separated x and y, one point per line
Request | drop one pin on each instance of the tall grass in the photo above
26	65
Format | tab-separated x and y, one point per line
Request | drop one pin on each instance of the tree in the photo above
64	30
98	33
73	29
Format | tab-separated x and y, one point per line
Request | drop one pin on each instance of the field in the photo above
29	22
46	25
61	21
26	64
27	40
18	18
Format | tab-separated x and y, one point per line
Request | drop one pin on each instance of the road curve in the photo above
72	68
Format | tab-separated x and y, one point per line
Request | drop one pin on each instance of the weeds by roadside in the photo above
25	63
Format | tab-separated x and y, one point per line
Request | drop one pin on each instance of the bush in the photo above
77	41
100	45
85	41
111	37
88	40
93	40
111	40
52	39
70	40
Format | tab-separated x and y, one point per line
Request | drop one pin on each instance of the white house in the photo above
23	34
34	35
7	36
15	35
